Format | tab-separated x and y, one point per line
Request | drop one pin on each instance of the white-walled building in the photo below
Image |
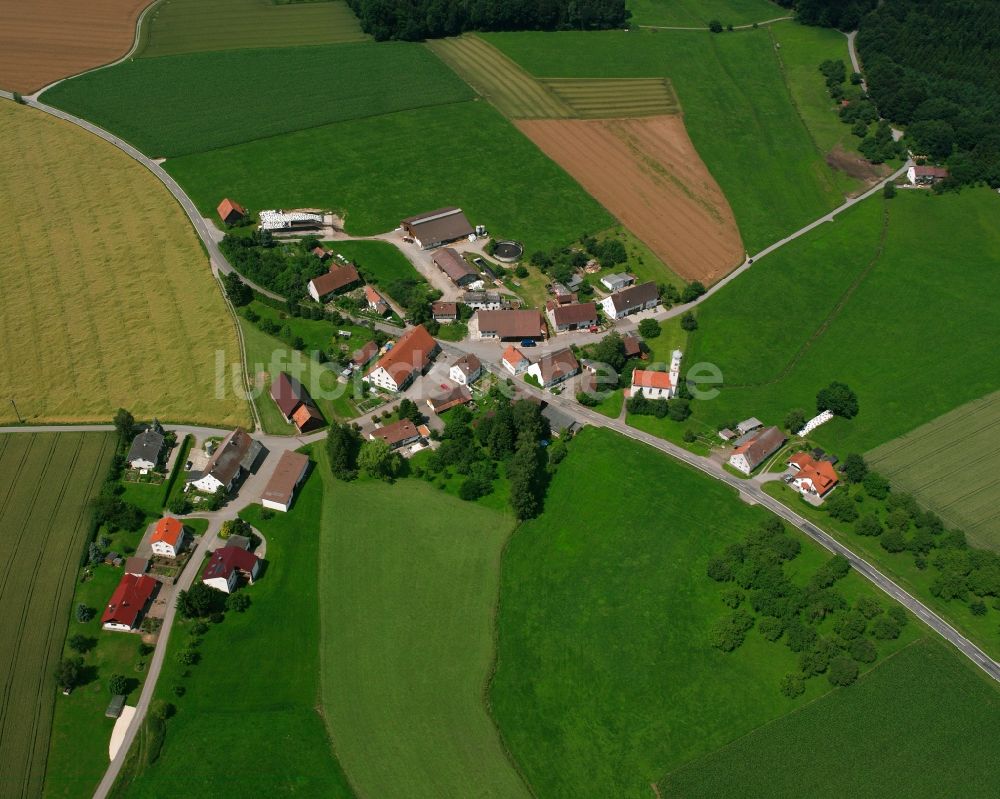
168	538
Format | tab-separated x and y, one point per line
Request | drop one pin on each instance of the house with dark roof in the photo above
466	370
617	281
458	395
146	448
280	489
554	368
571	316
437	227
444	312
751	454
231	213
338	279
455	267
633	299
411	355
510	325
559	422
227	565
129	602
926	175
231	461
632	346
295	403
396	435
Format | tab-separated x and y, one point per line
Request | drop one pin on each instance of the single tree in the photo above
842	671
376	459
876	486
855	468
84	613
238	602
68	672
649	328
80	643
889	190
792	685
839	399
196	602
688	321
343	443
124	423
118	684
795	420
715	26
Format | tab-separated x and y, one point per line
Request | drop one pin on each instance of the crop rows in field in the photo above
615	97
947	465
46	481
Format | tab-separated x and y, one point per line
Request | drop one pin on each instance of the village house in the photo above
617	281
376	302
751	454
321	252
633	299
362	357
632	347
652	385
574	316
813	478
484	300
435	228
412	353
559	423
333	282
168	537
227	565
444	312
510	325
459	395
146	448
231	213
466	370
398	434
455	267
295	403
129	602
231	461
554	368
514	361
280	489
926	175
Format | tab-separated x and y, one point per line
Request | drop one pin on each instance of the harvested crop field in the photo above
647	173
107	297
45	40
945	464
600	98
46	482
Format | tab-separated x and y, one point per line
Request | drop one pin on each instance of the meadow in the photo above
907	728
873	300
470	156
188	26
736	106
408	588
698	13
605	677
379	259
108	300
247	722
944	465
46	482
161	104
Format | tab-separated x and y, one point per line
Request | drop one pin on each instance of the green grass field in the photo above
187	26
906	729
161	105
409	580
605	674
248	722
945	465
830	307
46	482
107	299
737	110
698	13
615	97
381	259
469	156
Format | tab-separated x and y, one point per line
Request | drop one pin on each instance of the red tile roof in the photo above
411	353
646	378
337	278
396	433
365	354
129	599
459	395
511	324
930	171
168	530
308	417
514	356
227	206
821	473
582	313
441	308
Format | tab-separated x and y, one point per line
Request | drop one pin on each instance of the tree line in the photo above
413	20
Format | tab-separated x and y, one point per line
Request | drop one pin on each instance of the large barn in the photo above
438	227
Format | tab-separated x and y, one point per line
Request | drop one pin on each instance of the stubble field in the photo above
107	297
46	482
45	40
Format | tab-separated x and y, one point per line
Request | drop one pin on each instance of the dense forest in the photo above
412	20
842	14
934	66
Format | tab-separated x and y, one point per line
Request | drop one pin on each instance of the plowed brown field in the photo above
44	40
647	173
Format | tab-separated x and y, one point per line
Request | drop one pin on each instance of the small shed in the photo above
115	706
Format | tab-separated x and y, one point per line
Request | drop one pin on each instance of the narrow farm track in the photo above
704	28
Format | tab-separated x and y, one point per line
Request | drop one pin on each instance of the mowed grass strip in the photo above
256	682
201	101
46	482
514	92
926	700
408	586
108	300
612	98
946	465
380	170
189	26
606	677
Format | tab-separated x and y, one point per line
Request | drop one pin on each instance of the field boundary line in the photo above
705	29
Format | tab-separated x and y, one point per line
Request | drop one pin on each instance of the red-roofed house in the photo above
227	565
129	602
376	302
168	537
412	353
926	175
396	435
337	279
652	385
230	212
514	361
812	477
